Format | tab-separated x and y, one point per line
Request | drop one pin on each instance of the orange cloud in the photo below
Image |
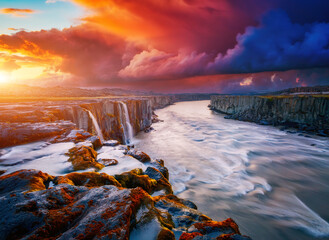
17	12
84	51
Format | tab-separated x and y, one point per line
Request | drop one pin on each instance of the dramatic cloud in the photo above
197	25
184	45
17	12
83	51
276	45
154	64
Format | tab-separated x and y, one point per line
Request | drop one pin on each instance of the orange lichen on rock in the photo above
189	236
29	180
84	157
87	179
57	220
139	155
166	234
226	237
162	181
135	178
108	162
92	230
229	224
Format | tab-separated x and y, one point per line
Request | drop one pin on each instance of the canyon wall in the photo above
116	118
309	113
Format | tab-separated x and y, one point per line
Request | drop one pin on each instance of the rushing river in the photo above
274	184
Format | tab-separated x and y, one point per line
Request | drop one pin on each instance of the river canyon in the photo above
272	182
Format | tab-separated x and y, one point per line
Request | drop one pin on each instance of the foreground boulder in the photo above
24	181
94	205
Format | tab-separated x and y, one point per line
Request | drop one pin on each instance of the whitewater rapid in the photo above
273	183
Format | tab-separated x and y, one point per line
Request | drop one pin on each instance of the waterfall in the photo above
97	128
125	121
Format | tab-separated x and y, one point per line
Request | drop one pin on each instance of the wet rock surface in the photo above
139	155
91	205
306	113
108	162
84	157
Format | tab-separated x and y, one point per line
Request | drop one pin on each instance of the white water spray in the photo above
125	121
97	128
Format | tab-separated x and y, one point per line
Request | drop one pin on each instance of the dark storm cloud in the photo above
277	44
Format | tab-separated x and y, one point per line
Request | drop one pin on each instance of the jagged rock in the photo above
94	206
162	182
83	157
108	162
71	212
182	215
68	211
24	180
225	230
96	142
139	155
87	179
159	164
136	178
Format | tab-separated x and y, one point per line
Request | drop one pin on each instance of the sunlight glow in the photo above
4	78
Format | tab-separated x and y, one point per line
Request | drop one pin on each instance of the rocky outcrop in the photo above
98	206
83	158
112	118
308	113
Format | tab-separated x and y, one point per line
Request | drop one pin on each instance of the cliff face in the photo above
161	101
118	118
310	113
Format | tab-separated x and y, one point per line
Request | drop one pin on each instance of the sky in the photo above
223	46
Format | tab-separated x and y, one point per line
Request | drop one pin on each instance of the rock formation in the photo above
58	121
308	113
89	205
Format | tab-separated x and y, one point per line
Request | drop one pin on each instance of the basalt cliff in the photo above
110	118
305	112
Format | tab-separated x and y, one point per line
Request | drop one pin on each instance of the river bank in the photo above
307	113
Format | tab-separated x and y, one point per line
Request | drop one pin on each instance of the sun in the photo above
3	77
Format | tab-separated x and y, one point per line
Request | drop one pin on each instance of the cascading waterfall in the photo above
125	121
97	128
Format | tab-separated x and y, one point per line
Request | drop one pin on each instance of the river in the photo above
274	184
